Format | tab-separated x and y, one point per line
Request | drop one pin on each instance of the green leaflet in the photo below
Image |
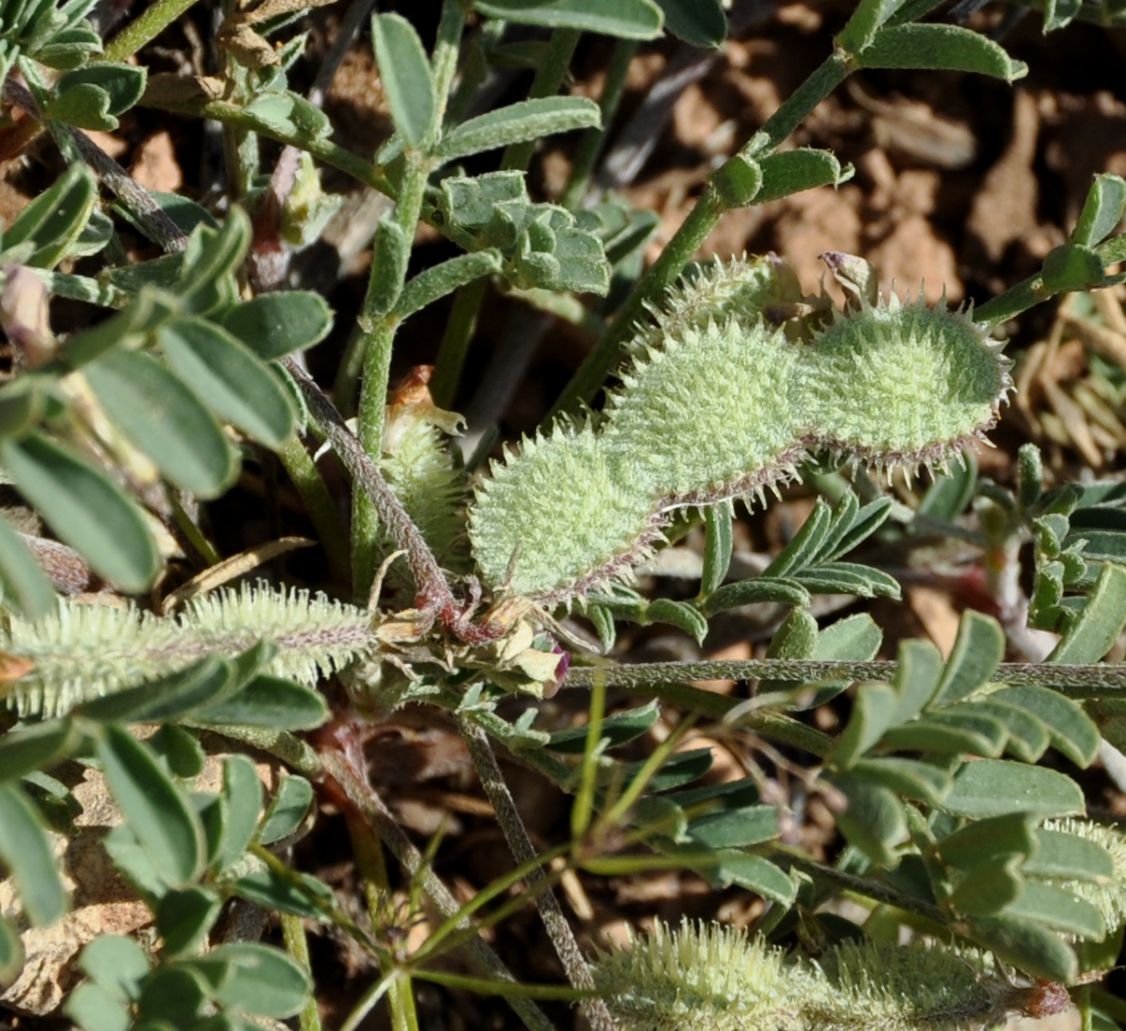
717	406
87	651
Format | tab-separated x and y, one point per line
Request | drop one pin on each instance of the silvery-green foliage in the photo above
53	32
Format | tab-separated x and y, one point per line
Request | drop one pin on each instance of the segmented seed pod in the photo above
902	384
701	977
561	517
710	414
765	286
722	409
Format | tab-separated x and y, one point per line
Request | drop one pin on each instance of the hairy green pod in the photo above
85	651
604	520
902	384
904	988
707	977
423	471
765	285
722	410
701	977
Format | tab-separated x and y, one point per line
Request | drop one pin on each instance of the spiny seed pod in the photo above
564	515
711	414
422	470
904	988
902	384
722	410
706	977
765	286
702	977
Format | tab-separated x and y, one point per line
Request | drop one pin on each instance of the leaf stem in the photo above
303	473
467	302
1076	681
591	141
146	27
368	853
1031	291
378	329
434	590
297	945
520	845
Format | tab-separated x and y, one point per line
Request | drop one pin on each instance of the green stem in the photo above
787	856
298	755
304	475
379	332
371	807
452	351
548	79
1031	291
369	1000
660	276
297	945
150	24
368	854
376	345
324	151
505	989
692	233
590	144
825	78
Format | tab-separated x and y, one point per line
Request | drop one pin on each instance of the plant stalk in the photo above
297	945
371	807
303	474
1077	681
146	27
520	845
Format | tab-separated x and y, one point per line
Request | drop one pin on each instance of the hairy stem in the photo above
1031	291
591	141
520	845
792	858
434	590
303	473
379	328
147	26
468	300
377	894
1076	681
297	945
369	805
376	344
149	215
